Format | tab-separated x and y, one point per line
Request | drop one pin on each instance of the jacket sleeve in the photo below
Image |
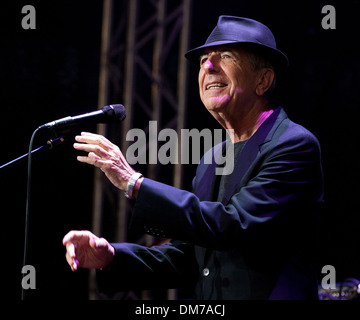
170	265
285	180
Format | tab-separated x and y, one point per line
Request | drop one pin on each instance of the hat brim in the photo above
278	59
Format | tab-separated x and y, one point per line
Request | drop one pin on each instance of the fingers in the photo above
70	249
98	147
71	256
72	241
75	236
95	140
95	150
106	156
85	250
92	159
69	242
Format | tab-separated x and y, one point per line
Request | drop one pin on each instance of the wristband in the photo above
131	184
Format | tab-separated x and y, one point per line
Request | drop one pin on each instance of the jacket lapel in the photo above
250	152
206	175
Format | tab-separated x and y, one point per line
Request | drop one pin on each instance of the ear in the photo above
265	79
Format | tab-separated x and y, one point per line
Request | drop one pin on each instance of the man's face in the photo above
226	80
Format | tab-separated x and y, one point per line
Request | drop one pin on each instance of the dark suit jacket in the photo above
255	242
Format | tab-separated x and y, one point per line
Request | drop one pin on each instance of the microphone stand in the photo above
50	145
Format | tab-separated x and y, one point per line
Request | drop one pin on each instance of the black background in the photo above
52	72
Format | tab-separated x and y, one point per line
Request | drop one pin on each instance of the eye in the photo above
226	55
203	59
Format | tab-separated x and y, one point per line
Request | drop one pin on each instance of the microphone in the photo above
110	113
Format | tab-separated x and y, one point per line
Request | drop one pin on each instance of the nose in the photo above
210	64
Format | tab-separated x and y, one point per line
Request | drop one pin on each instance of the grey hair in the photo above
258	62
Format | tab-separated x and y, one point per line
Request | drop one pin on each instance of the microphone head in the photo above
114	112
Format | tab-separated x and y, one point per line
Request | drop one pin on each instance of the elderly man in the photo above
247	235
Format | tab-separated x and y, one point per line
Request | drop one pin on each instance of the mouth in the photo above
215	85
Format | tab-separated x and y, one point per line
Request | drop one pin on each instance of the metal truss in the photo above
142	67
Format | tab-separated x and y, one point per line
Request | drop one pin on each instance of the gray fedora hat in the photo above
232	30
